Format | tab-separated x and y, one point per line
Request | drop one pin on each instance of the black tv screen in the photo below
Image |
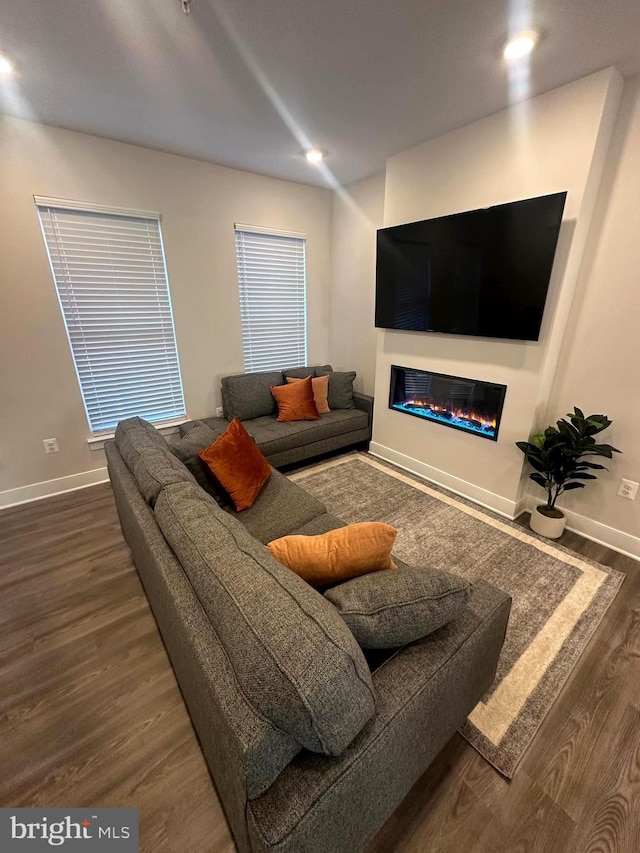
483	272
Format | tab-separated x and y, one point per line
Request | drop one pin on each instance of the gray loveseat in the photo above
310	751
247	396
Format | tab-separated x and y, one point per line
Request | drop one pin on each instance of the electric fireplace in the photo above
467	404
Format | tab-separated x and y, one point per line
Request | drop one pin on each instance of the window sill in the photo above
96	442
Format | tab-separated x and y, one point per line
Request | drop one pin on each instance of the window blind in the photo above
272	284
110	275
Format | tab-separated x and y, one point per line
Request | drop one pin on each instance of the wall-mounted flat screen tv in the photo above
483	272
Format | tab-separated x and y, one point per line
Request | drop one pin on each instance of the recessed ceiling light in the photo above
6	66
520	45
314	155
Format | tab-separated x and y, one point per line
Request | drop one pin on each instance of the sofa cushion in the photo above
296	401
186	427
237	464
148	457
320	388
423	695
340	554
340	388
248	395
273	437
321	524
390	609
294	657
199	437
303	372
133	436
279	509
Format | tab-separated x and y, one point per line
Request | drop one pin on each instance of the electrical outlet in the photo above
628	489
219	412
50	445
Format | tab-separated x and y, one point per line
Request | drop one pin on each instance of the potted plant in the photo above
558	456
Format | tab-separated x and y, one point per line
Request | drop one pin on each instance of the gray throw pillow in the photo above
340	388
390	609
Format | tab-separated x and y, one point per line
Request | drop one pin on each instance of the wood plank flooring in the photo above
91	714
90	711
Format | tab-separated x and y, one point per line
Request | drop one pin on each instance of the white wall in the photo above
199	203
552	143
357	214
599	367
561	145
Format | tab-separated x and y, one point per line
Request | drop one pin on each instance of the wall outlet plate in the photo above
219	412
628	489
50	445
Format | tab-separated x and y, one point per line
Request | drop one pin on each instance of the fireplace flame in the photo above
454	414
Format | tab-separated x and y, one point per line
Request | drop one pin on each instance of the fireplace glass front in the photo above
466	404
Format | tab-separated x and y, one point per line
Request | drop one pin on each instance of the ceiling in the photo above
250	83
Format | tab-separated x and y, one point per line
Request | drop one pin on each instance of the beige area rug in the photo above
559	598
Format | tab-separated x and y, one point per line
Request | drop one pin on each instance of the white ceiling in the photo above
248	83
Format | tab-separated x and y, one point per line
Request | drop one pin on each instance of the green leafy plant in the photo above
558	456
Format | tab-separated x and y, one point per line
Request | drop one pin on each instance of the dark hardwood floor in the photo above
90	712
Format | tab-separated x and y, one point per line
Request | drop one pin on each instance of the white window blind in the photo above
272	283
110	274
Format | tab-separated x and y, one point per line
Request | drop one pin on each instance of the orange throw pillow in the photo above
320	388
237	464
338	555
295	402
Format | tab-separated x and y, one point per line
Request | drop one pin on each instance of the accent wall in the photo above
557	141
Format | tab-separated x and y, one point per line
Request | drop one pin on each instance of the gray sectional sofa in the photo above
247	396
310	748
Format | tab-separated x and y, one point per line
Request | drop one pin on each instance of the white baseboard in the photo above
504	507
37	491
521	506
613	538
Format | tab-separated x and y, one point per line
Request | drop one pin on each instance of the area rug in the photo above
559	598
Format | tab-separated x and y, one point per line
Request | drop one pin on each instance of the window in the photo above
272	282
109	270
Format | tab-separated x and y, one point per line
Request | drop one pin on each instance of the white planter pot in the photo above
552	528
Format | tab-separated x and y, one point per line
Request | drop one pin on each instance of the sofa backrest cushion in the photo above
199	438
248	395
148	457
303	372
280	508
294	657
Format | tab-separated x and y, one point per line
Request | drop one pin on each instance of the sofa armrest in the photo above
423	693
186	426
365	403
